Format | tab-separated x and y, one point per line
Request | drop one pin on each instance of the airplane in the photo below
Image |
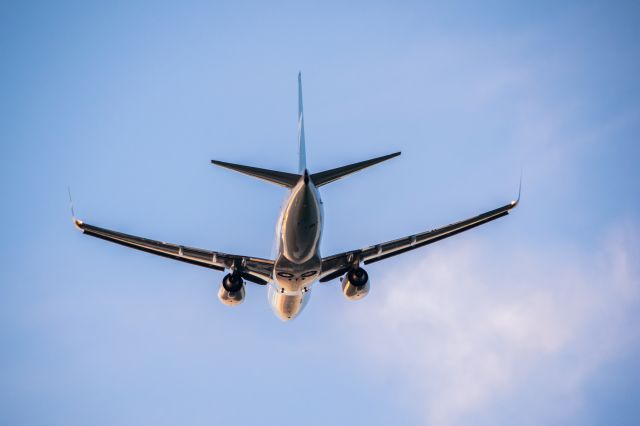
298	262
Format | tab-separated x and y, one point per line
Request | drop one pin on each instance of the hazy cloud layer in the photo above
472	327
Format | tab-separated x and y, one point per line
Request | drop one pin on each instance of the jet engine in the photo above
355	284
231	291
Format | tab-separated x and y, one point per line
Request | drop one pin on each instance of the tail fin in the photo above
329	176
302	152
287	180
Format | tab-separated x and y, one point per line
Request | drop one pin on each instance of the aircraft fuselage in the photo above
298	261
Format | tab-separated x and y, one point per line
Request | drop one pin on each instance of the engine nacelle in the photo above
231	291
355	285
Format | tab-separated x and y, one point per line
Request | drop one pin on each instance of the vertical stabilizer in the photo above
302	152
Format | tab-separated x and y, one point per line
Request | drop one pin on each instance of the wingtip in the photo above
393	155
219	163
78	224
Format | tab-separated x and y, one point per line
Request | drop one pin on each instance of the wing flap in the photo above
254	269
439	237
336	265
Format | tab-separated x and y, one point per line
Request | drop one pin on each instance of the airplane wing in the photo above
337	265
252	269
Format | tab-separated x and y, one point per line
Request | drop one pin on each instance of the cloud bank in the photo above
471	328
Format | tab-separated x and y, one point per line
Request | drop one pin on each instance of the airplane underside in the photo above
298	263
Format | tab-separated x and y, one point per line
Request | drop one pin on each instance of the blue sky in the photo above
532	319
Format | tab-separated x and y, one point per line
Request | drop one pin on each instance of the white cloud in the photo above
471	326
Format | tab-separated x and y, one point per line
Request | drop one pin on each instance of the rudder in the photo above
302	151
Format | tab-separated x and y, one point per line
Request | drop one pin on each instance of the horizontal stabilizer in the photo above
287	180
329	176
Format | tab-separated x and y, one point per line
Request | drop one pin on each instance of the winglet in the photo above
76	222
517	200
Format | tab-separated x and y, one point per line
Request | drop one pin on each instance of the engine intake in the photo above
231	291
355	284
